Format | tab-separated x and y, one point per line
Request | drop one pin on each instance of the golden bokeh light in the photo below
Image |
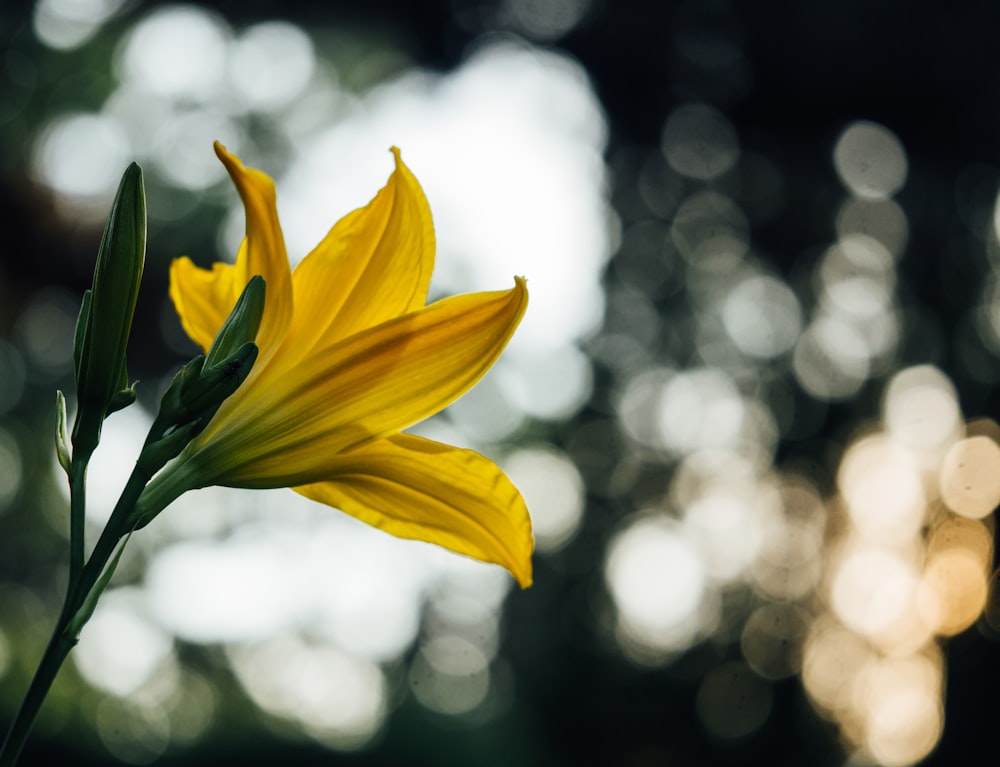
970	535
872	589
952	590
970	477
882	490
900	702
833	658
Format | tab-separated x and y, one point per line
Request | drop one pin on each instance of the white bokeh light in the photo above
177	52
508	150
870	160
82	155
271	64
657	580
68	24
122	647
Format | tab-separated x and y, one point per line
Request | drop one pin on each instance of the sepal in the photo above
122	399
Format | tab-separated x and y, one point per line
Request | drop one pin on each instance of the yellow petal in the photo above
202	298
281	430
264	252
423	490
375	264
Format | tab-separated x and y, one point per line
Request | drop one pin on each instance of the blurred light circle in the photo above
451	675
872	589
82	155
870	160
953	591
970	477
68	24
733	702
773	639
335	698
992	610
882	220
512	135
550	386
920	408
790	560
10	473
271	63
830	359
638	403
553	489
236	590
970	535
486	413
711	231
883	490
122	648
996	217
132	734
630	312
858	275
834	659
44	331
699	142
728	531
183	151
901	710
177	52
762	316
657	581
699	409
716	470
544	21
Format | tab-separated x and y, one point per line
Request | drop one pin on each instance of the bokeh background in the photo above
751	406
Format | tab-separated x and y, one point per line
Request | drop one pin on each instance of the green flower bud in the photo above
203	384
106	315
62	445
242	323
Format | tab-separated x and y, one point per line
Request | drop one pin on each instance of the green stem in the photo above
77	515
63	639
56	652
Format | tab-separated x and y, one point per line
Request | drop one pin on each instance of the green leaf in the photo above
86	610
82	320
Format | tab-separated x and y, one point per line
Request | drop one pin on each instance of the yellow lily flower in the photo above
350	356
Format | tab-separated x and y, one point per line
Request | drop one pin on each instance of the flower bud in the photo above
105	319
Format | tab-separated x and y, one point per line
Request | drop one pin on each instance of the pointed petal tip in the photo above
398	158
524	578
232	162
